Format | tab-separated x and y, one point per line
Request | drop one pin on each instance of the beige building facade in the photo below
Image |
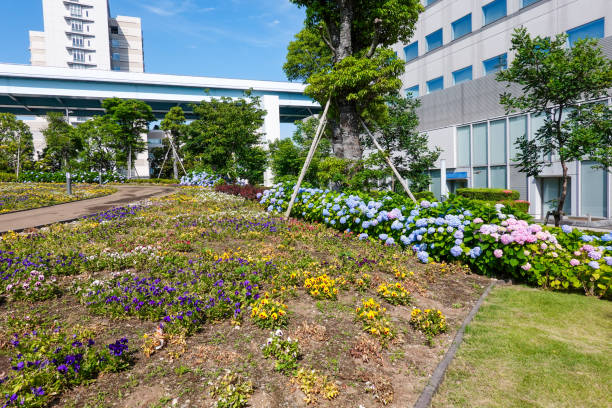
80	34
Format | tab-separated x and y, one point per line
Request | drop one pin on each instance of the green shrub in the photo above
520	205
424	195
7	177
489	194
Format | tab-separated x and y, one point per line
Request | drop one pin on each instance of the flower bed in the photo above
17	197
201	179
490	239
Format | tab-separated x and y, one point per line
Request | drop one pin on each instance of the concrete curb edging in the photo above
437	377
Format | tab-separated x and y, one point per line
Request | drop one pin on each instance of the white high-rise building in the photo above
451	62
81	34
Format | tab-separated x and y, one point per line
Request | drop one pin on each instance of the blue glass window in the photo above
462	75
434	40
412	91
428	2
462	26
528	2
594	29
494	11
435	84
411	51
495	64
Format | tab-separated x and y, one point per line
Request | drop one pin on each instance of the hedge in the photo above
490	238
8	177
77	176
489	194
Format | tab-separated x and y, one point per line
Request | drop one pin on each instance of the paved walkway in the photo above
70	211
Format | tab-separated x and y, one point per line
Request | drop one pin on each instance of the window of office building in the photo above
537	122
462	26
462	75
413	91
116	56
498	142
429	2
114	30
411	51
594	29
77	41
498	177
76	10
115	43
594	190
116	68
436	183
435	84
495	64
551	190
78	55
529	2
480	178
434	40
493	11
77	26
480	146
518	129
463	146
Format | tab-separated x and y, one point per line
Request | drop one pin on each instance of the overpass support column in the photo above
271	127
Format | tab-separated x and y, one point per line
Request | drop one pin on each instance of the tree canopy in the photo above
226	137
554	78
16	143
63	143
357	69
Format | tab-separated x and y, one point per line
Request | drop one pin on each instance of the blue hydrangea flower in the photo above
383	237
423	256
475	252
363	236
390	241
456	251
343	220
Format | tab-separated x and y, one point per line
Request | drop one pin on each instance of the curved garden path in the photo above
39	217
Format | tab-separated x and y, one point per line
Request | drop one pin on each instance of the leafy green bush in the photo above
7	177
489	194
424	195
520	205
78	176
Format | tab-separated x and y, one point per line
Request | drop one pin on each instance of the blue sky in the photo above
224	38
219	38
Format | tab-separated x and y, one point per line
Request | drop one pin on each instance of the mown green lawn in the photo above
533	348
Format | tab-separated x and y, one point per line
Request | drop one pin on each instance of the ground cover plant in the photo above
17	196
488	238
197	285
529	348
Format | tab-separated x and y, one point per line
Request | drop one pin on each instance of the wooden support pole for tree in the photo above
311	152
388	160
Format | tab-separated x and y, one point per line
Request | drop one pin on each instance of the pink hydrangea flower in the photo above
577	253
506	239
478	220
543	246
574	262
498	253
526	267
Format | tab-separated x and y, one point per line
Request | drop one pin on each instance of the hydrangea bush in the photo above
201	178
77	176
491	239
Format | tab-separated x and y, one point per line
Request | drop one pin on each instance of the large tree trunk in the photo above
345	142
349	130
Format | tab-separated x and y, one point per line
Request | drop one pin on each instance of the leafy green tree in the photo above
408	150
362	70
591	129
174	123
133	118
98	136
225	138
16	143
287	156
63	143
554	78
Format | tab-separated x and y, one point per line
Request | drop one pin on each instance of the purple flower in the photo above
38	391
62	368
594	264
